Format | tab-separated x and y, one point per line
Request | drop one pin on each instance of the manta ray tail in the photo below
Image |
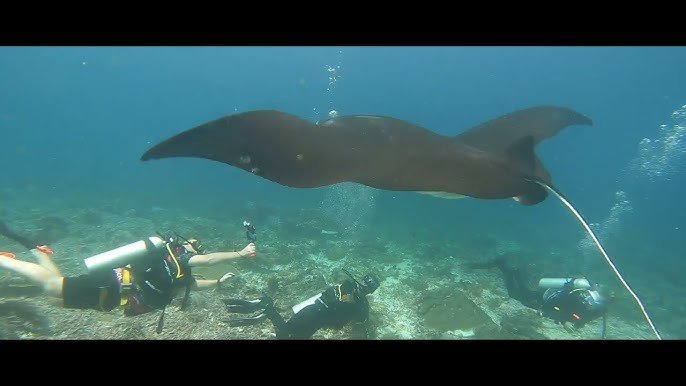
514	137
588	229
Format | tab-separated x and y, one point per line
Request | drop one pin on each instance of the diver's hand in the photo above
226	277
249	250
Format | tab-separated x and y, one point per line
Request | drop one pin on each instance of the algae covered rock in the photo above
450	310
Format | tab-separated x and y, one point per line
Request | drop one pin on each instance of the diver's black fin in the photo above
246	306
246	321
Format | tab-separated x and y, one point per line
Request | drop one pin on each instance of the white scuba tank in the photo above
122	256
559	282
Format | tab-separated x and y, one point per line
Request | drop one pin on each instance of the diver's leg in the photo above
45	260
280	325
98	290
50	282
516	283
306	322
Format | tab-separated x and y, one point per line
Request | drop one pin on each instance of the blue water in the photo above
75	121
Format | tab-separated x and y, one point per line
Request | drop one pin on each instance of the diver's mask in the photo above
369	284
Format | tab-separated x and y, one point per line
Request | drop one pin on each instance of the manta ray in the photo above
494	160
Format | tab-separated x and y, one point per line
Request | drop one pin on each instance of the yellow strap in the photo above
126	281
178	267
125	276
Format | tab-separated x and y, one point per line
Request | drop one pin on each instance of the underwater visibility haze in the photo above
331	146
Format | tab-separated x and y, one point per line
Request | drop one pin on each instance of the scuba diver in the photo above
139	277
571	302
335	307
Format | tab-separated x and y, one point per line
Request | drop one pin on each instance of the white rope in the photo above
602	250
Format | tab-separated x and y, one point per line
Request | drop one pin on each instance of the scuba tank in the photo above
296	308
548	283
124	255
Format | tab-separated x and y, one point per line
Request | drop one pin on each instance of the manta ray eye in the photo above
299	157
245	159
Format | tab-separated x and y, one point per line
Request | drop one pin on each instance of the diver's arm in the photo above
218	257
204	284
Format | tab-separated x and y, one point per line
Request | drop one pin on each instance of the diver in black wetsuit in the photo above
334	308
572	302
